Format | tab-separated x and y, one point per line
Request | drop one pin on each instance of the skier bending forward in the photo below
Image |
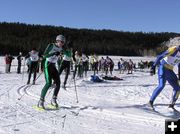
51	56
167	60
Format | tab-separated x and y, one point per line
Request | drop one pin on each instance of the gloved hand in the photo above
56	53
153	70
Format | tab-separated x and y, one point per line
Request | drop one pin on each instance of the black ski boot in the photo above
171	105
150	104
41	104
28	82
64	86
54	102
34	82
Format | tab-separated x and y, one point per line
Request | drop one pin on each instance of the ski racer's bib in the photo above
173	58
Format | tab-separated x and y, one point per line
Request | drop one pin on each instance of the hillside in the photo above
15	37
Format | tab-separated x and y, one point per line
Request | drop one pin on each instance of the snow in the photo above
110	107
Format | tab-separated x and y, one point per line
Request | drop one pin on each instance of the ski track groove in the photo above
27	114
129	117
119	114
36	97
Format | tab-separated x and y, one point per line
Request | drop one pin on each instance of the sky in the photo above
119	15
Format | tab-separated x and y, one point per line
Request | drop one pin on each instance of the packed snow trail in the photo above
110	107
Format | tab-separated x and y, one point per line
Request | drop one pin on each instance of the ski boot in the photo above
28	82
64	86
33	82
171	105
41	104
54	102
150	104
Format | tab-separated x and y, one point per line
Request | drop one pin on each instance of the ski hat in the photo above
61	38
173	42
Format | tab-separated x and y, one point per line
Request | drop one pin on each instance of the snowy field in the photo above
110	107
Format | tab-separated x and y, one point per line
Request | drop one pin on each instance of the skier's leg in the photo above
67	73
18	69
7	68
173	81
29	76
35	72
162	81
56	79
48	78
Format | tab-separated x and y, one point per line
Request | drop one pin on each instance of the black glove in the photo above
56	53
153	70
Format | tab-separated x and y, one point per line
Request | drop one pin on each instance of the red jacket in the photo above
7	60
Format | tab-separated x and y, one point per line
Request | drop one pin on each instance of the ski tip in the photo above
51	107
38	108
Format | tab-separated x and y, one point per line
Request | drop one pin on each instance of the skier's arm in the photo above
160	57
27	56
47	50
18	57
73	57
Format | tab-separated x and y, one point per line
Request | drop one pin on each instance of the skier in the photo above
78	61
109	65
130	66
95	64
7	61
51	56
167	61
19	58
34	57
85	60
66	62
11	58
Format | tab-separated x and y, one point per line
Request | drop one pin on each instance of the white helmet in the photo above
61	38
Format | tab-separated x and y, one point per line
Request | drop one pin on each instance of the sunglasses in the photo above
61	41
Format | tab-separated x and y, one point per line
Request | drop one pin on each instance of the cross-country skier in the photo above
66	62
167	60
51	56
19	58
77	59
11	58
34	57
7	61
85	63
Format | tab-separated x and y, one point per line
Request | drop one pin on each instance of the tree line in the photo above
16	37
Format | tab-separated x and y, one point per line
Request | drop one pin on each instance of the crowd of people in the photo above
59	57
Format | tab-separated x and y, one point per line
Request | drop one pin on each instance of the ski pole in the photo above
76	90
